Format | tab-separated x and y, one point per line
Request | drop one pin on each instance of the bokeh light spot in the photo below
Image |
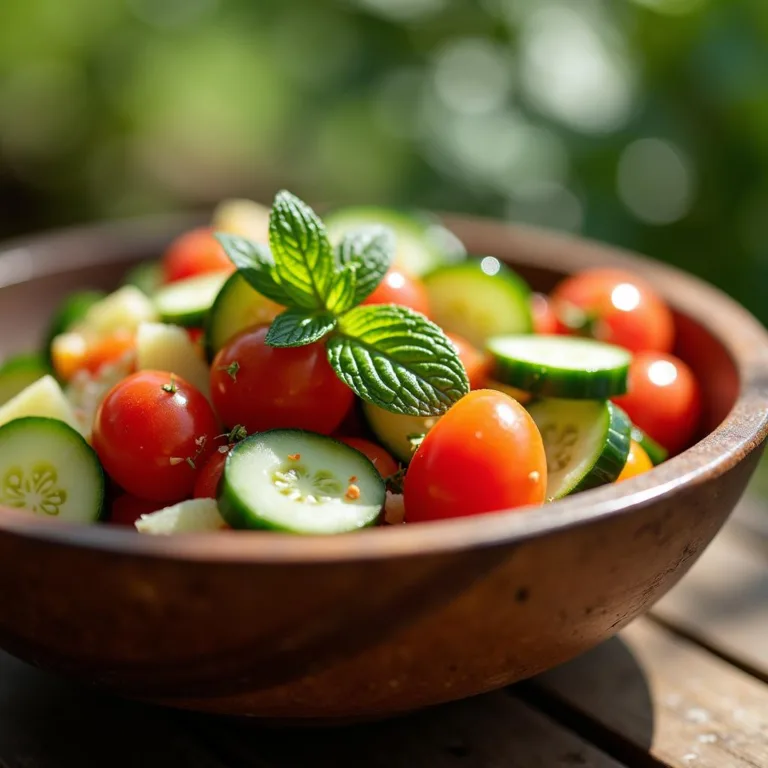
490	265
655	181
472	75
575	70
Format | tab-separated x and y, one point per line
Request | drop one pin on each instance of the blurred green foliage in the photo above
640	122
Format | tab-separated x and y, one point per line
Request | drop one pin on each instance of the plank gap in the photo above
585	727
692	636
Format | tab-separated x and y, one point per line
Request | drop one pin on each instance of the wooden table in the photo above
686	686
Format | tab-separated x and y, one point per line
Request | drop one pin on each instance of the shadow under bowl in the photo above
386	620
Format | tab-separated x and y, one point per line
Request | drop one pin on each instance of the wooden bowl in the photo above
388	620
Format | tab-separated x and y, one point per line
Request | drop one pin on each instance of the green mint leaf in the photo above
395	358
297	327
255	264
372	248
342	294
303	256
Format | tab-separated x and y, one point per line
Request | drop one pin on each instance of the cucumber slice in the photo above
42	398
418	250
186	302
161	347
70	312
47	468
244	218
192	516
299	482
18	372
147	277
123	310
560	366
656	453
586	442
237	307
393	430
478	299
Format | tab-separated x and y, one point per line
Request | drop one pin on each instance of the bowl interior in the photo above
725	346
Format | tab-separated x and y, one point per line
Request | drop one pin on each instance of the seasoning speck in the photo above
353	493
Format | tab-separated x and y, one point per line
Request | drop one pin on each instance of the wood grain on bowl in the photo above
386	620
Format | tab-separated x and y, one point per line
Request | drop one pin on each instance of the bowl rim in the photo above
744	429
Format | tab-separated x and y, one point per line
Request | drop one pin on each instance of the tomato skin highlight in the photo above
379	457
620	308
664	399
399	287
544	318
127	509
476	363
194	253
148	438
262	387
638	462
207	483
484	455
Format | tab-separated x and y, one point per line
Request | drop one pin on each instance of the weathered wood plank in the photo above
723	601
654	692
49	723
492	731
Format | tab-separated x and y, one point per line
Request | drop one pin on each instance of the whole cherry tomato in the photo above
664	399
378	456
207	483
262	387
614	306
484	455
398	287
476	363
637	462
127	509
195	253
544	318
152	433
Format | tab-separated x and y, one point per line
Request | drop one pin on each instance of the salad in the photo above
276	371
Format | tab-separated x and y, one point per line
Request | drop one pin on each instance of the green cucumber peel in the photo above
388	355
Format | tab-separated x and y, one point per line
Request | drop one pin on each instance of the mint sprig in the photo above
395	358
297	327
303	256
388	355
256	265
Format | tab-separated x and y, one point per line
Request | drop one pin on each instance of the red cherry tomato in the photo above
262	387
614	306
664	399
544	318
207	483
127	509
379	457
637	463
398	287
484	455
152	433
195	253
476	364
